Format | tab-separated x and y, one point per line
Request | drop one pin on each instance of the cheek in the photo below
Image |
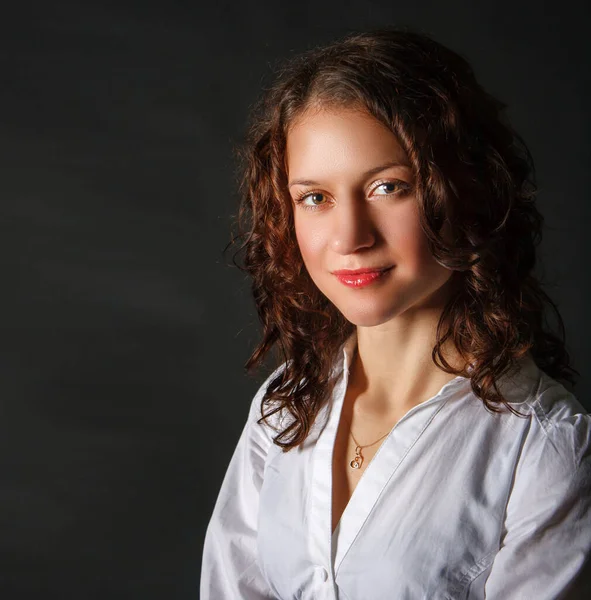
311	240
406	238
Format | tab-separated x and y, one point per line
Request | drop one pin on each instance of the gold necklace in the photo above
358	460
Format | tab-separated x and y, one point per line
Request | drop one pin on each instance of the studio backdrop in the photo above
124	326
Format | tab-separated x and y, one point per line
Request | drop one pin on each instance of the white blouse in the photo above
457	503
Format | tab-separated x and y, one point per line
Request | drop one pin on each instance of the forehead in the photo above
339	139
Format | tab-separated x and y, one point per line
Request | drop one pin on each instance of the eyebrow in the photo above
374	171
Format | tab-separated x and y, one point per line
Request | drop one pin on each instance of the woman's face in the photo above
355	208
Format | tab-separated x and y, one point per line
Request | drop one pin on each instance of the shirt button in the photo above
323	574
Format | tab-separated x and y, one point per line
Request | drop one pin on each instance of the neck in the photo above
392	369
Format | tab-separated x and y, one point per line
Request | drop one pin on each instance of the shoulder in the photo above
271	425
554	433
283	417
561	423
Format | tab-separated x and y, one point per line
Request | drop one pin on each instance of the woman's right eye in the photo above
311	200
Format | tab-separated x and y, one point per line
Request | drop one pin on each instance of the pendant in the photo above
358	460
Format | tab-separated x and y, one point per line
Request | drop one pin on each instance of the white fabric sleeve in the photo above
229	568
546	537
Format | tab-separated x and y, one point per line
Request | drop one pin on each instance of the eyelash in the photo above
402	185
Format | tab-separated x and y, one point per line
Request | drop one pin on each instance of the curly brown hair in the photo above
461	148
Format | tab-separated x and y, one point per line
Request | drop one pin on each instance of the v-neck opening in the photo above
367	467
357	510
373	459
331	546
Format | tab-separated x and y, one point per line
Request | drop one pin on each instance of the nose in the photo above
353	228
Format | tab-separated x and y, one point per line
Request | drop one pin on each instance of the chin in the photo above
368	316
366	321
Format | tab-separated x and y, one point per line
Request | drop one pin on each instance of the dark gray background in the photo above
122	392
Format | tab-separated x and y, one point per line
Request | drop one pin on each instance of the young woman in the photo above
415	441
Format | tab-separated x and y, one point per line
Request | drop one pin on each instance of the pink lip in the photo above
359	271
360	277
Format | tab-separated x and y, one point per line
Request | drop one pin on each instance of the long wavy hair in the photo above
472	170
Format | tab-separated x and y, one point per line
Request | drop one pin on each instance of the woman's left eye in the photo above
390	187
